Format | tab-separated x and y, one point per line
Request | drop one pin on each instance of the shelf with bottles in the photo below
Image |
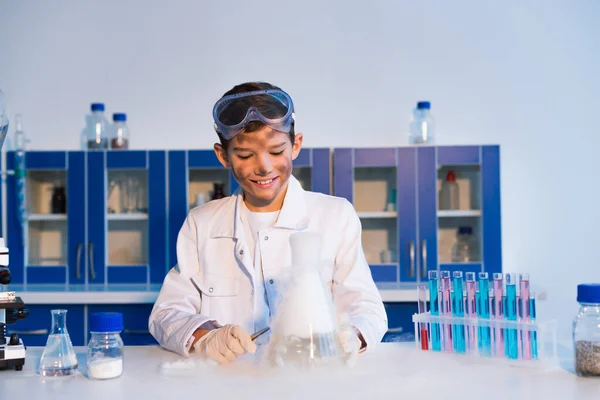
204	183
459	240
47	243
459	191
127	242
46	194
380	241
127	196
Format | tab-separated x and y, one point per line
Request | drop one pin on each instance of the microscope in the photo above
12	308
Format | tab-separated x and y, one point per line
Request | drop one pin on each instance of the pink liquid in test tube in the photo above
471	310
498	313
525	316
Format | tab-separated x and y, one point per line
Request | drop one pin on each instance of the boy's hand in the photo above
225	344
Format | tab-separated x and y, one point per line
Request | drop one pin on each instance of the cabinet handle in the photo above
78	265
31	332
136	332
424	258
92	268
411	252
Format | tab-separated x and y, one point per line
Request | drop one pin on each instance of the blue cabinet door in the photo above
427	228
34	330
46	165
407	214
490	189
384	166
76	214
96	216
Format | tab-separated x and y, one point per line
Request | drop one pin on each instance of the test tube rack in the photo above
543	348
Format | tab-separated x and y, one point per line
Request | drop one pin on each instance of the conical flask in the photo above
304	329
59	358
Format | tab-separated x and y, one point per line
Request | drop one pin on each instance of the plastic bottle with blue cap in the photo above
422	124
105	348
94	133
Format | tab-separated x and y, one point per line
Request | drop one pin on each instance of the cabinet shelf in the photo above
458	213
128	217
47	217
377	214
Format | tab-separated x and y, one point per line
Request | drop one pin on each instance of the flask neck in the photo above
59	322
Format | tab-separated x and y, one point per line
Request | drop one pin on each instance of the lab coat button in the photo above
241	252
210	290
266	238
271	281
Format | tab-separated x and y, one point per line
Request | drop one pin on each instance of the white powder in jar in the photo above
105	368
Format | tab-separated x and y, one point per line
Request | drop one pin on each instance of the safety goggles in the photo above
232	113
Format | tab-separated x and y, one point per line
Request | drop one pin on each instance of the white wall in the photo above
523	74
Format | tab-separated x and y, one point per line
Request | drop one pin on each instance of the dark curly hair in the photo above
236	111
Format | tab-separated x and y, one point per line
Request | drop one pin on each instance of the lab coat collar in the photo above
293	214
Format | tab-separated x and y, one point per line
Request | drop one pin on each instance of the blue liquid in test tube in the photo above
434	307
512	341
534	342
483	311
458	310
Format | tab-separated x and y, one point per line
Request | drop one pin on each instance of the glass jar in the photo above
105	348
586	330
462	250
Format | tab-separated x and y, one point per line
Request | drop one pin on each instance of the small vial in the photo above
105	349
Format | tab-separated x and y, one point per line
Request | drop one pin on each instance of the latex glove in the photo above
225	344
349	339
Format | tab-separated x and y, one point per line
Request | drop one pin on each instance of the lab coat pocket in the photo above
219	294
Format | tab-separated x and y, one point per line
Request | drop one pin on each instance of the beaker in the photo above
59	358
305	332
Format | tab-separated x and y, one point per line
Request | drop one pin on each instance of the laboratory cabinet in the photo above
91	217
195	176
34	330
424	208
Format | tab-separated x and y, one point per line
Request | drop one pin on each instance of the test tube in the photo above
421	309
483	311
434	308
445	309
512	340
498	313
525	316
532	316
471	309
458	330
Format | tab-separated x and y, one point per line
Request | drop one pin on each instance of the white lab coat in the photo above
213	280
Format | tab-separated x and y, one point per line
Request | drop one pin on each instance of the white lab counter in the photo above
147	294
392	371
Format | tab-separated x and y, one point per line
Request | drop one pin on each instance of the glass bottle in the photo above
58	358
95	129
218	190
586	330
449	193
119	132
463	248
105	348
422	124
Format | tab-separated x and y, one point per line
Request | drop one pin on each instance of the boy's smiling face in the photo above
261	162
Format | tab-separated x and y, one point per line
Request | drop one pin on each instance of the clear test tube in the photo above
434	309
498	312
421	309
525	315
445	309
471	310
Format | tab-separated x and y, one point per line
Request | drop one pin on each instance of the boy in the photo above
232	252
